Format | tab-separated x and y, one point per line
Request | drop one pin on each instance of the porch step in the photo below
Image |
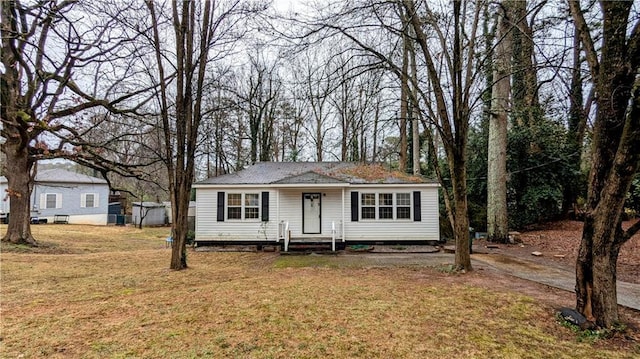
312	240
309	246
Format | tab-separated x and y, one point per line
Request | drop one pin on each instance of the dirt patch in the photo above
559	242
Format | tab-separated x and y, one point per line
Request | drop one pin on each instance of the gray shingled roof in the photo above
56	175
305	173
147	204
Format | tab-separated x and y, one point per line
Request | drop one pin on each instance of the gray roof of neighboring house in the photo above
56	175
313	173
167	204
147	204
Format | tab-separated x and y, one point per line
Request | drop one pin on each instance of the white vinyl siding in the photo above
401	229
89	200
209	229
50	200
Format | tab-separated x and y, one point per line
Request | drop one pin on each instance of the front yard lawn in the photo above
107	292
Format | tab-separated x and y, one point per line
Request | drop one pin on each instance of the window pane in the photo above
385	199
234	213
403	199
403	213
88	200
234	199
368	213
251	199
368	199
386	213
51	200
250	212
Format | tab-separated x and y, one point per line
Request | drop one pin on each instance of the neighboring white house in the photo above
191	214
69	196
337	202
150	213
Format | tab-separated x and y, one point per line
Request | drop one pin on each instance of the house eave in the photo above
316	185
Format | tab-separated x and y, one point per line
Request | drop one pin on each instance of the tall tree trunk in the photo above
19	191
526	105
404	103
577	125
461	218
615	158
415	137
415	111
497	224
15	133
453	128
181	136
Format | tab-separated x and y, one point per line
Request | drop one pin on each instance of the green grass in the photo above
109	294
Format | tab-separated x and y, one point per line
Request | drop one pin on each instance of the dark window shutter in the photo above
220	207
354	206
265	206
417	211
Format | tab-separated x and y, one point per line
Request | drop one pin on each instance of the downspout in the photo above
344	223
277	214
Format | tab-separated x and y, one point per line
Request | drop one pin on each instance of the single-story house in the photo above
64	196
150	213
337	202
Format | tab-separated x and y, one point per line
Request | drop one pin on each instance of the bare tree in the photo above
314	78
615	70
198	28
452	126
55	58
260	100
445	84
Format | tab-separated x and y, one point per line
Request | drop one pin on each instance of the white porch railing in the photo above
283	233
336	232
333	236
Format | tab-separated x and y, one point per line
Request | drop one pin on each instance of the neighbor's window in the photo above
243	206
51	200
89	200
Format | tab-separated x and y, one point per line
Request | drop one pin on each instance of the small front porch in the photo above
335	240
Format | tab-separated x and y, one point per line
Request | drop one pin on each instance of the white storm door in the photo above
311	213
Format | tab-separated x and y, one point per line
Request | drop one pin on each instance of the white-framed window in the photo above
251	205
368	205
89	200
234	206
243	206
403	205
385	206
50	200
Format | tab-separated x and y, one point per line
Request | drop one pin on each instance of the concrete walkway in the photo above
628	293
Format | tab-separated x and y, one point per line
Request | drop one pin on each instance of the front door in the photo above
311	213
